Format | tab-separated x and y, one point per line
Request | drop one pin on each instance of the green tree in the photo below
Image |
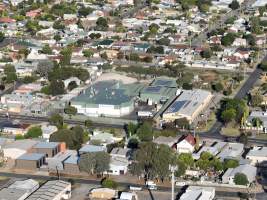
88	123
46	49
59	25
230	164
182	123
217	164
228	39
234	5
218	87
70	110
162	164
57	37
109	183
24	51
256	99
164	41
63	135
153	28
228	115
181	169
88	53
79	136
255	25
66	54
187	159
256	122
10	72
11	77
34	132
84	11
144	159
102	24
145	132
241	179
2	36
263	65
206	53
56	120
57	87
131	129
96	162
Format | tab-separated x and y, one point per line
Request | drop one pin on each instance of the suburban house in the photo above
186	144
248	170
231	151
257	155
169	141
88	148
198	193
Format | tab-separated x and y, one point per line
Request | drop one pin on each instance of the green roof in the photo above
108	93
104	42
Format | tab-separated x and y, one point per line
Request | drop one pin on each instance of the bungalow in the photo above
169	141
142	47
242	54
118	166
248	170
240	42
186	144
88	148
230	150
48	130
257	155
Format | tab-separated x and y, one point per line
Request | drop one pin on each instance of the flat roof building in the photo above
189	104
107	98
30	161
159	91
50	149
257	155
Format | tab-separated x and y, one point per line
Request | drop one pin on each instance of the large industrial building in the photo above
159	91
189	104
107	98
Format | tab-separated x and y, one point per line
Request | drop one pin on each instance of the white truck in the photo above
151	185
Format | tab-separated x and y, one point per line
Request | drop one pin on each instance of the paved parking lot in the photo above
80	191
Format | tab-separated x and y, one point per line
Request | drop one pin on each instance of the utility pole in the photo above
173	169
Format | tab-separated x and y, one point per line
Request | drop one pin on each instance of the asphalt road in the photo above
97	182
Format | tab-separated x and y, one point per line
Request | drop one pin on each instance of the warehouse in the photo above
52	190
188	105
30	161
107	98
159	91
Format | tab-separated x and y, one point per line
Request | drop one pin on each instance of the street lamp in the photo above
173	168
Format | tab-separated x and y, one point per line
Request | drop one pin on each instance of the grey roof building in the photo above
159	91
91	149
30	161
52	190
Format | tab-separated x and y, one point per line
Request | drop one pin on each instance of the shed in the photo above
30	161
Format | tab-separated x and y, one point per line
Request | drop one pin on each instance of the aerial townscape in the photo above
133	99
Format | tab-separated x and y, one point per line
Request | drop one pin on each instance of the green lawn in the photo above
230	131
262	136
